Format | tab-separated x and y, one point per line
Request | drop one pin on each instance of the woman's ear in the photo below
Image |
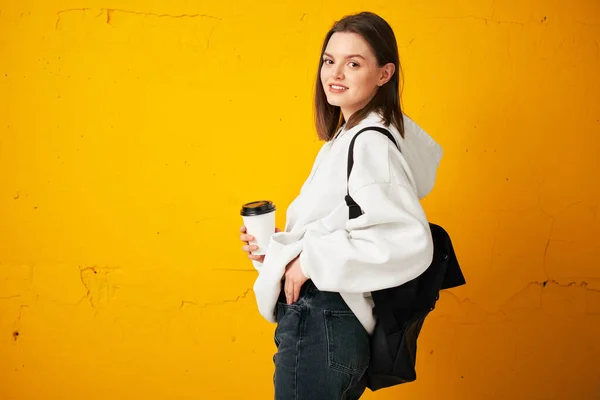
387	71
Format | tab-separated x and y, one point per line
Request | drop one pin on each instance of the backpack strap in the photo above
354	208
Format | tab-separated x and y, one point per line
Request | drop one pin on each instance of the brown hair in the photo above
380	37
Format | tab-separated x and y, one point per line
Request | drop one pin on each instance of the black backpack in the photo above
400	311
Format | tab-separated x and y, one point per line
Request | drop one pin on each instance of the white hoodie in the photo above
388	245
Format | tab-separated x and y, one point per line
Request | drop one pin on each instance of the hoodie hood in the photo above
423	155
421	152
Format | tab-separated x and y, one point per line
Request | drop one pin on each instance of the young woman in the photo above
316	278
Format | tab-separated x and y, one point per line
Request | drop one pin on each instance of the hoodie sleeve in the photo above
256	264
389	244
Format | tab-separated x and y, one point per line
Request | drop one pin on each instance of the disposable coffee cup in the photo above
259	219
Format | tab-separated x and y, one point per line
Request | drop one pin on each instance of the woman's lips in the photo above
337	88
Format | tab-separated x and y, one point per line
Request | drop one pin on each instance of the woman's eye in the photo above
328	62
353	64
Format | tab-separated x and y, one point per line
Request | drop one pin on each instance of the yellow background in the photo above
132	131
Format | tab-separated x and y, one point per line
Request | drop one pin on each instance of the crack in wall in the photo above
21	313
211	33
486	20
543	284
503	308
543	21
582	284
110	11
512	310
18	322
218	303
545	259
16	296
85	285
460	301
96	283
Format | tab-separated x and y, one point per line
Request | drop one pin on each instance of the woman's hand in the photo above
294	279
247	247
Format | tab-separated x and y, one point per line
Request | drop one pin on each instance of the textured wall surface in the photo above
132	131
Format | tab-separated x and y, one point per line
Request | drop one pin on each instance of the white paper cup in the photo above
259	219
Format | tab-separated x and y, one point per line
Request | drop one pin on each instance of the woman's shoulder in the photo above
373	141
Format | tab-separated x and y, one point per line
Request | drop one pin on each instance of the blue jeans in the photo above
322	349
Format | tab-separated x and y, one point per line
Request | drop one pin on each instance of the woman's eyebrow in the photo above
348	56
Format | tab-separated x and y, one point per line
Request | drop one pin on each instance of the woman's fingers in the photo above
249	247
289	291
292	291
296	293
256	258
246	238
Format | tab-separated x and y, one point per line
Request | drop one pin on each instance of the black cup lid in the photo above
257	208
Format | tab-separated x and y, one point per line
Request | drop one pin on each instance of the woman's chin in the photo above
334	101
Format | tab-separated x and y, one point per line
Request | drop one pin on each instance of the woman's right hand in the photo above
247	247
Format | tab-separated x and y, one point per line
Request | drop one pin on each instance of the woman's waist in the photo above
311	296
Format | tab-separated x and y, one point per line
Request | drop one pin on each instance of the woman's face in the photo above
350	74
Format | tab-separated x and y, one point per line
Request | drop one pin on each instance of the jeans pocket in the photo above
348	346
287	320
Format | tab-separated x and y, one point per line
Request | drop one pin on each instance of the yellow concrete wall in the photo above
132	131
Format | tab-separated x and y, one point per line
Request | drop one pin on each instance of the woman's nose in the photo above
338	72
